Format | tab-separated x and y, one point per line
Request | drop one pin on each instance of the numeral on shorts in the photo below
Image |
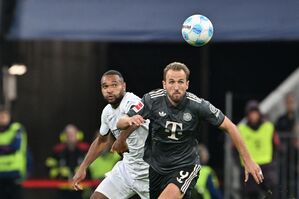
183	175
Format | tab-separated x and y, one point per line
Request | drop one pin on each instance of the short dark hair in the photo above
113	72
177	66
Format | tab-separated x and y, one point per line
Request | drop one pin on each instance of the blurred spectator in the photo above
207	186
67	156
103	164
260	138
286	127
13	156
286	122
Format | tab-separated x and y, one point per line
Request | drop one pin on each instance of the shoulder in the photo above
268	124
155	95
130	96
193	98
128	99
106	110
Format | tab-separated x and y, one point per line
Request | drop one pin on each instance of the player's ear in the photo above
163	82
187	84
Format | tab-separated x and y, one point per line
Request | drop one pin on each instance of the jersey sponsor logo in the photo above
162	113
172	127
183	175
214	110
187	117
138	107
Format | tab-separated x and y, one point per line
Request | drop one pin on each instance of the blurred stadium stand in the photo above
128	20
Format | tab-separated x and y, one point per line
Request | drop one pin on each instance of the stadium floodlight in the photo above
17	69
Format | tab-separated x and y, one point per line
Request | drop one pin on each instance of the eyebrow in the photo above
112	82
177	80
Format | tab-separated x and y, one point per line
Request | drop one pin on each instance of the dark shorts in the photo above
184	178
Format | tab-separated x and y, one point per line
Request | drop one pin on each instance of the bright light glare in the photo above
17	69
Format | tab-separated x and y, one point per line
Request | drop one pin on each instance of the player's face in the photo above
113	88
176	85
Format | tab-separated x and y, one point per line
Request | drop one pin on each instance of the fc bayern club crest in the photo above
187	117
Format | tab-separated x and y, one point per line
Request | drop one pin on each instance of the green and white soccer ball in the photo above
197	30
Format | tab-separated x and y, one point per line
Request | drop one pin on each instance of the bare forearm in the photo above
236	138
127	132
239	144
123	122
97	146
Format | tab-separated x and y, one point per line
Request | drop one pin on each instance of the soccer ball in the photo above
197	30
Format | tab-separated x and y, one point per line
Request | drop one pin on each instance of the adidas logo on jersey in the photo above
162	114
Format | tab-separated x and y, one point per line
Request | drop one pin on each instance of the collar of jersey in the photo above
181	105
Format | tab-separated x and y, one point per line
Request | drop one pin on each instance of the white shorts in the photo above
120	185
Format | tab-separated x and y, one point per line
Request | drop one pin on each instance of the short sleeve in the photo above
104	129
132	101
142	108
211	114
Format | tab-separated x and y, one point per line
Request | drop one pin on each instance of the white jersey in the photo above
133	161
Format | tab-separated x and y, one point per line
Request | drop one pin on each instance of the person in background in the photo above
13	156
286	127
286	122
261	140
207	185
65	159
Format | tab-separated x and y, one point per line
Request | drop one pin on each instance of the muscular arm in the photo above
125	121
250	166
100	144
120	144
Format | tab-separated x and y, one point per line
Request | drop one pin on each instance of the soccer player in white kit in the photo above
130	175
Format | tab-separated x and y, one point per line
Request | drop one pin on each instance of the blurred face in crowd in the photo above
71	134
290	103
203	154
4	118
254	117
113	88
176	85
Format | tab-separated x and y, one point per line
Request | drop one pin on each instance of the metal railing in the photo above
288	161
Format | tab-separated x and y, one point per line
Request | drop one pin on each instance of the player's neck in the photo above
117	102
172	102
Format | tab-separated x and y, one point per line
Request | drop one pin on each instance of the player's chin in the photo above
176	98
111	100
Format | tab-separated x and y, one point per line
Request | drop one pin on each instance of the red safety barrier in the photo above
41	183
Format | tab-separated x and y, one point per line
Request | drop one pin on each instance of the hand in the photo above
120	146
78	177
255	171
136	120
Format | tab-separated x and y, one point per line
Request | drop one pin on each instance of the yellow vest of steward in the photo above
16	161
259	142
201	184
